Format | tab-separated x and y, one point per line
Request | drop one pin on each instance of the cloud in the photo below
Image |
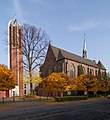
18	10
85	25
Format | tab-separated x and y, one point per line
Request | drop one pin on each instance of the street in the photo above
90	110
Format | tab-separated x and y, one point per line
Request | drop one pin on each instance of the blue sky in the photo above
65	21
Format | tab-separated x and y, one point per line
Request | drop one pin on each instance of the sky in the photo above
65	22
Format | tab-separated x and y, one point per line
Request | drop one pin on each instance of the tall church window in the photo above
66	68
49	71
88	71
92	71
59	68
84	70
55	68
96	72
72	71
80	70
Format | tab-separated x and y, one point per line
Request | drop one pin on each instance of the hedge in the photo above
70	98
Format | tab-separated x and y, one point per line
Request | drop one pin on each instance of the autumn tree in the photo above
108	86
36	79
102	85
34	44
7	78
70	82
105	77
87	83
99	73
56	82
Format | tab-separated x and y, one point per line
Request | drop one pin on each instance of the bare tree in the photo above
33	47
31	43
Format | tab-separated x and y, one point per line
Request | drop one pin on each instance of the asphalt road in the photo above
91	110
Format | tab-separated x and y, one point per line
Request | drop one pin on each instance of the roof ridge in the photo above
72	53
74	57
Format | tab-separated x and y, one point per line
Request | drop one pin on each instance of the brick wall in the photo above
2	94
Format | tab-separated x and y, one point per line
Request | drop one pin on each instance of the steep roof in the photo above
55	51
100	65
61	54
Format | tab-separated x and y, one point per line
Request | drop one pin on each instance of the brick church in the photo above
59	60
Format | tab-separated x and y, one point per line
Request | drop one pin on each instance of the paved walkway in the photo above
55	110
35	103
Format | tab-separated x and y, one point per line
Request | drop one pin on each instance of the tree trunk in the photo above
31	86
86	93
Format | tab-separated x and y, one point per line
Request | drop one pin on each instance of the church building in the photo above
59	60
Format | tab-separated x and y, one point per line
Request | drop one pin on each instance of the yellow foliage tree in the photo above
57	82
102	85
91	83
87	83
7	78
35	79
108	85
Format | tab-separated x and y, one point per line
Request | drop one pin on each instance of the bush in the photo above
70	98
30	95
92	95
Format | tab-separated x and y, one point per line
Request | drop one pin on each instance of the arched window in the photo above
88	71
55	68
49	71
84	70
80	70
92	71
72	71
59	68
96	72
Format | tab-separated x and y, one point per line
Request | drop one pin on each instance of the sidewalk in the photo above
36	103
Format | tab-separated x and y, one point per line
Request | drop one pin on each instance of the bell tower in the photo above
15	56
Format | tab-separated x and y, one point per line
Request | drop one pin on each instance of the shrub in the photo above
70	98
92	95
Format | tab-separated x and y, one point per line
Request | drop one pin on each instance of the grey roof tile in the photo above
101	65
74	57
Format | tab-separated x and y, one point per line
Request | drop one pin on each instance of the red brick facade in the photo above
2	94
16	57
58	60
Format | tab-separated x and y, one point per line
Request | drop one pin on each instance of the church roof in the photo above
101	66
61	54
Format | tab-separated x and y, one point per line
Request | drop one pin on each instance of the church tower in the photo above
14	56
84	49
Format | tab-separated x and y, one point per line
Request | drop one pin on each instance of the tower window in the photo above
24	85
14	34
25	92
